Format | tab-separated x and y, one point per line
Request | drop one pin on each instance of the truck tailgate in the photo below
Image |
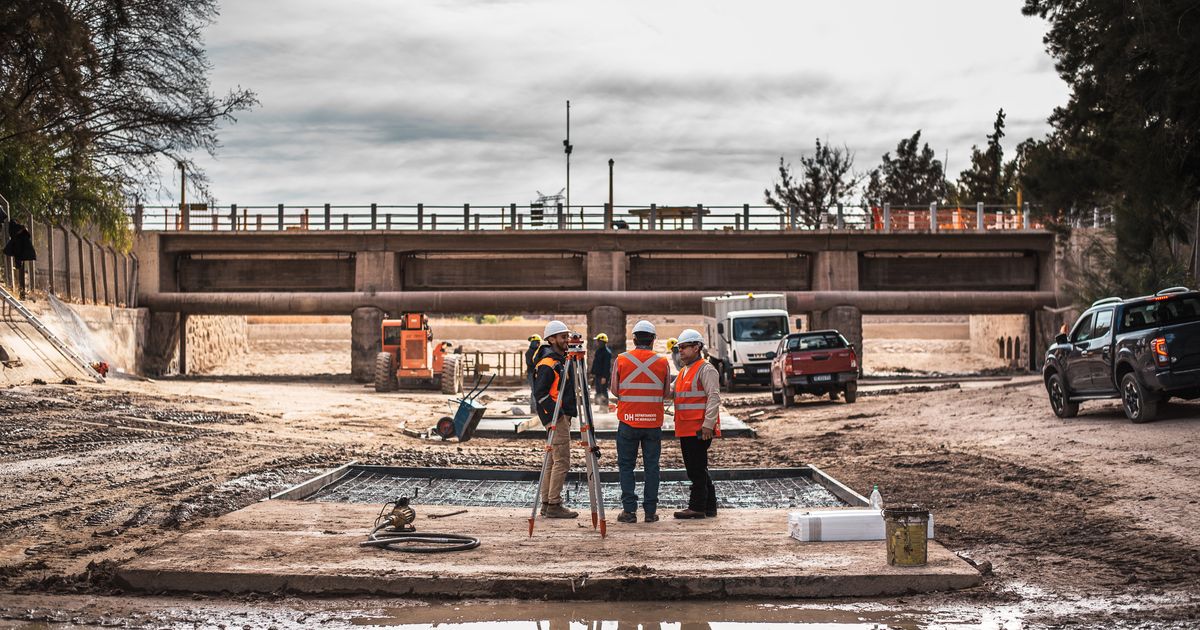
1183	344
821	361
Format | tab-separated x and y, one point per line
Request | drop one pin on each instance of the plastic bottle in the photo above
876	498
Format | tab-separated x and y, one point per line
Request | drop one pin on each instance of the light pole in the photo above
567	149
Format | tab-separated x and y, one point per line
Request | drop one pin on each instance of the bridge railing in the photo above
651	217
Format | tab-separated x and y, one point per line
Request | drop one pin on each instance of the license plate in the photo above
822	377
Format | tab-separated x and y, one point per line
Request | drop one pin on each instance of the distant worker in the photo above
642	381
531	359
549	371
697	394
673	348
601	367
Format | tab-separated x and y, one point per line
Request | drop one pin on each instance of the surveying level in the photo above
575	371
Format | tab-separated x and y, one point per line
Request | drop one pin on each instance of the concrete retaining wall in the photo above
1002	336
215	340
97	333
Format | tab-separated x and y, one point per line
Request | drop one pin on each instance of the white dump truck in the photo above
741	330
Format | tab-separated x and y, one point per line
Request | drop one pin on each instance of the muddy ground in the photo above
1087	522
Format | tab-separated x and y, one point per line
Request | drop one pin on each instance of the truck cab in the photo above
742	331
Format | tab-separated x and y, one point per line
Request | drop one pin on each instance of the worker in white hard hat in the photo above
601	366
642	381
697	394
549	371
531	359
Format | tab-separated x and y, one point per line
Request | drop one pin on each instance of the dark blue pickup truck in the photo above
1142	350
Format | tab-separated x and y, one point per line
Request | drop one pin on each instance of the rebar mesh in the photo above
364	486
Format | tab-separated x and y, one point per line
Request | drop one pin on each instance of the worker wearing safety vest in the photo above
549	372
641	379
531	359
697	395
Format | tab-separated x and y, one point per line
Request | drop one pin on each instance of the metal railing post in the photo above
841	221
653	216
512	215
745	216
1025	217
979	224
793	217
233	217
608	216
280	217
374	216
562	218
887	217
328	217
698	220
420	216
933	226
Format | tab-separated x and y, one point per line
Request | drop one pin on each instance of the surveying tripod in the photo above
575	371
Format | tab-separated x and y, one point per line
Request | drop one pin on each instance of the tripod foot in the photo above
603	529
531	527
595	518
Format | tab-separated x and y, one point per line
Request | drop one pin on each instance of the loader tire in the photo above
385	373
452	374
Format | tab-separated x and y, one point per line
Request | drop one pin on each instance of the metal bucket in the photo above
905	529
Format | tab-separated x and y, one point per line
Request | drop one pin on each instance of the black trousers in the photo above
695	459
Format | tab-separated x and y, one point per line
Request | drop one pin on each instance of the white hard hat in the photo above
690	336
553	328
644	326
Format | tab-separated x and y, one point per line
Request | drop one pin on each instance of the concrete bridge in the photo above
832	276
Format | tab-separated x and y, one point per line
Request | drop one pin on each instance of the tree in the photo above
106	89
825	179
989	179
1129	136
913	177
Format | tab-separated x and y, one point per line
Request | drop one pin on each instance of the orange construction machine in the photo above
409	357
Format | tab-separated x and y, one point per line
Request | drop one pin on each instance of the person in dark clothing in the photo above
20	249
549	372
601	367
531	358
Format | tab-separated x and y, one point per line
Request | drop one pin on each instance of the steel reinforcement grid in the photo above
443	488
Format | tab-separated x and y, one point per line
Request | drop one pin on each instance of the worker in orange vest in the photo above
641	379
549	371
697	395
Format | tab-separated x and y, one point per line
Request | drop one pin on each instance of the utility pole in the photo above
567	149
610	185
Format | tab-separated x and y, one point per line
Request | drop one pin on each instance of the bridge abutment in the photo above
836	270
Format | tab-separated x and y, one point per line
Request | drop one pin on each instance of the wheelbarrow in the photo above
468	411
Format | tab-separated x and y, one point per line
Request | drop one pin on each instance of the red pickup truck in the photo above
819	362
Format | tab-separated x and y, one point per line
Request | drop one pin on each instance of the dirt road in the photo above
1087	510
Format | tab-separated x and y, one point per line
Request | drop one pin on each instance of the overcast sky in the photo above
451	102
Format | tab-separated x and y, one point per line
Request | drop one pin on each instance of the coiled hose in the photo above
418	542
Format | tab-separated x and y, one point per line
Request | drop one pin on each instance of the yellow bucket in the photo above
905	528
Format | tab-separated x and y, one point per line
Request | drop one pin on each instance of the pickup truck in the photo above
819	362
1142	350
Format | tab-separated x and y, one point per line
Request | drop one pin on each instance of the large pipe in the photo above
649	302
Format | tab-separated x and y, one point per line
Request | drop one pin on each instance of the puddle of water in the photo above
684	616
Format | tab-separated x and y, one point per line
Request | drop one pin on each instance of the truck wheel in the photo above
789	396
733	386
452	374
776	396
851	391
1060	399
385	373
1139	405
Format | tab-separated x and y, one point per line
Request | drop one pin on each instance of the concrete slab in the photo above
312	548
606	427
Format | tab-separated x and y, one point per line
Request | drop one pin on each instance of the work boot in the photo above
651	518
556	510
689	513
626	517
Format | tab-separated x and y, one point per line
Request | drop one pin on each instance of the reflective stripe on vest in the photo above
641	382
690	402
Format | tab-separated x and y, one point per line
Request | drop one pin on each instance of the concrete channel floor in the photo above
312	548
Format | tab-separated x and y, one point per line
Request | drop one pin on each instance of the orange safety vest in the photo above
554	387
641	380
690	402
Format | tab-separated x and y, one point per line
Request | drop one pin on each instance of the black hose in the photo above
408	541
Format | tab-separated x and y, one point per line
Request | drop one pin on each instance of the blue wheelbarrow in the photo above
468	411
